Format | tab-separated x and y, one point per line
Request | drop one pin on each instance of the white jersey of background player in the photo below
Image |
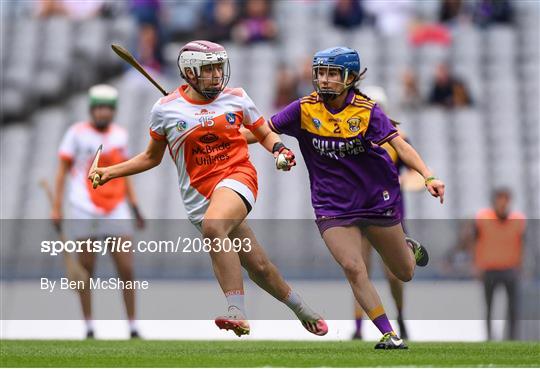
100	211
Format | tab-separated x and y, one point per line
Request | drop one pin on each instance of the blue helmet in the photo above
344	58
339	57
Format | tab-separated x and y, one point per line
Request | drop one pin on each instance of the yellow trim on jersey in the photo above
350	122
391	152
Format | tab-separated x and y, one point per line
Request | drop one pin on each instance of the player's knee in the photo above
354	270
405	274
213	230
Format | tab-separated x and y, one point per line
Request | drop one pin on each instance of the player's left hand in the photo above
436	188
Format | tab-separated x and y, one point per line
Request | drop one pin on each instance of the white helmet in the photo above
103	95
196	54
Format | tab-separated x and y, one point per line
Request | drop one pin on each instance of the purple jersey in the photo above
350	174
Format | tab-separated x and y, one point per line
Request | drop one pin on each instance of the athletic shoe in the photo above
402	328
234	321
90	334
134	335
420	253
391	341
317	327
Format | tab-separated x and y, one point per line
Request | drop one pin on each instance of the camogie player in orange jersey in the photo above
200	124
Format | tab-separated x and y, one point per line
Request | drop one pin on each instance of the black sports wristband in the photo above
278	146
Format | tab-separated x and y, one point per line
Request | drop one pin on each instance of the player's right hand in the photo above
103	173
289	158
284	157
436	188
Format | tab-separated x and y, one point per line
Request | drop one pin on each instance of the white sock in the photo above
133	325
299	307
89	325
235	299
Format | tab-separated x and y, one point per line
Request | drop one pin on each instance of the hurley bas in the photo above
93	284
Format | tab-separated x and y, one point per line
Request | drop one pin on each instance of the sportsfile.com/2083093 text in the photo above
119	244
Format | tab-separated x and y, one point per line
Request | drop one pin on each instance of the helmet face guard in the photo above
212	92
198	55
328	94
345	60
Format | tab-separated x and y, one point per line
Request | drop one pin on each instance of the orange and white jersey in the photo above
206	145
79	146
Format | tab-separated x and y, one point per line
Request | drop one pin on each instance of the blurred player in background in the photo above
200	125
102	211
354	184
409	179
498	254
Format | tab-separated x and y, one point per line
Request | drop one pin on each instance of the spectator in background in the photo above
391	17
450	10
146	11
498	254
348	14
487	12
50	8
148	48
287	87
219	19
76	10
447	90
410	98
182	19
256	24
148	16
460	94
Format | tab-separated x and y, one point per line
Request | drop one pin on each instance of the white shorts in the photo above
234	185
83	224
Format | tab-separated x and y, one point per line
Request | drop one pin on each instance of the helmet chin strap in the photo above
209	94
330	95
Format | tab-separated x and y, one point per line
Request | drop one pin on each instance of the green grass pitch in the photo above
142	353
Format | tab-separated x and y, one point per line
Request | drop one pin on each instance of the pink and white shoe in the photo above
317	327
235	322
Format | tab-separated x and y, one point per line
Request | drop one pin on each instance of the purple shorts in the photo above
327	223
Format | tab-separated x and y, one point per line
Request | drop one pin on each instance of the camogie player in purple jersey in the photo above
354	183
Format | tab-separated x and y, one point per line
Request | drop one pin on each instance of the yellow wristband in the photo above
429	179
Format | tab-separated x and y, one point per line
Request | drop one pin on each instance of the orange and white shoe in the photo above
235	322
317	327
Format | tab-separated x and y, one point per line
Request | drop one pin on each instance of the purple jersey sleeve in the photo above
287	121
380	129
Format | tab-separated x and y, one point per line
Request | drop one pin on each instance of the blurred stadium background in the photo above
462	77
